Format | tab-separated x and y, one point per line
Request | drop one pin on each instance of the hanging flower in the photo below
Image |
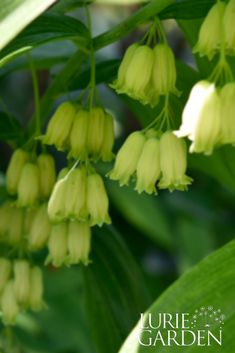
47	174
17	162
201	118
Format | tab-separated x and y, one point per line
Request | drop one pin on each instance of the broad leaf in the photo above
187	9
46	28
209	284
17	14
10	128
115	290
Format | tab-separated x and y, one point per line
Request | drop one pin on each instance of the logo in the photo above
203	327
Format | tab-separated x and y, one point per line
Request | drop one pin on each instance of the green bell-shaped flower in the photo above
36	302
78	135
28	187
148	167
97	201
47	174
22	281
9	306
227	133
127	158
57	244
17	162
173	163
209	40
79	243
59	127
40	229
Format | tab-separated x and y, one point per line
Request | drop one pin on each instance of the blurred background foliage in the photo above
153	239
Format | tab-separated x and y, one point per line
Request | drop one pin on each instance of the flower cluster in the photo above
145	73
151	159
69	243
29	179
217	30
21	287
87	134
208	118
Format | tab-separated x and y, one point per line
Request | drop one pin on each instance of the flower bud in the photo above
17	162
97	201
201	118
60	125
36	289
136	86
229	28
40	229
5	271
22	281
9	304
78	135
210	32
28	187
75	194
57	244
95	131
121	79
148	167
79	243
164	70
227	134
127	158
173	161
5	217
47	174
15	231
56	210
106	153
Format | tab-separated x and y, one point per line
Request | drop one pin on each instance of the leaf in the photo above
115	291
46	28
10	128
64	6
210	283
220	165
187	9
142	211
17	14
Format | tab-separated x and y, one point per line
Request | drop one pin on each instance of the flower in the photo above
47	174
127	158
28	186
227	133
36	289
75	194
59	126
201	118
97	201
56	209
148	167
5	271
173	163
40	229
210	32
229	28
95	134
79	242
120	81
164	71
22	281
9	304
57	244
106	153
136	85
15	231
78	135
17	162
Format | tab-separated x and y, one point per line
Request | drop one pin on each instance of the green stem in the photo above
92	60
63	79
36	95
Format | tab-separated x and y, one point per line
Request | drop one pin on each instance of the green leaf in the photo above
142	211
187	9
64	6
17	14
210	283
46	28
115	291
